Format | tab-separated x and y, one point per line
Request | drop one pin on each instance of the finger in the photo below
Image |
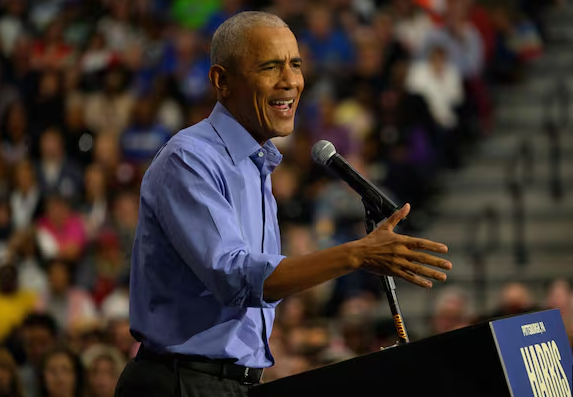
412	278
415	243
421	270
431	260
396	217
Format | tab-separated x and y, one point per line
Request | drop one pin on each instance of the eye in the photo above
271	67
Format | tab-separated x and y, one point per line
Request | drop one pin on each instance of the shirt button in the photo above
261	154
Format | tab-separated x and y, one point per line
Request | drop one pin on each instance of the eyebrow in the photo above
279	62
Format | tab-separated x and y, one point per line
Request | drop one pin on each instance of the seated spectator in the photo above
324	126
51	52
517	42
39	334
26	257
460	39
60	230
369	66
465	49
119	336
109	265
393	50
107	155
169	110
116	305
355	322
62	374
95	206
187	63
560	296
56	173
84	334
109	109
404	142
441	85
10	381
288	191
412	24
514	298
451	310
45	108
331	49
115	25
67	303
15	302
356	111
15	145
78	138
26	198
104	364
144	134
338	211
95	60
13	24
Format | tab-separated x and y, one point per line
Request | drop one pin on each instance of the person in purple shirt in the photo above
207	271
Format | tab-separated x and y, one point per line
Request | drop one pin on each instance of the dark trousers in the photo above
144	377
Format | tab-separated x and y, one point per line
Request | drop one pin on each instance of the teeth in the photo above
289	102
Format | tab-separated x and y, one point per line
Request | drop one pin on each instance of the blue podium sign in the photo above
535	353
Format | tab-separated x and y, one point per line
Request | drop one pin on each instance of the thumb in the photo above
391	222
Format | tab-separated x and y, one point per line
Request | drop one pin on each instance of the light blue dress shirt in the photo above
206	240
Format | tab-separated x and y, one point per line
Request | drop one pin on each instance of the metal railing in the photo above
519	175
482	239
556	118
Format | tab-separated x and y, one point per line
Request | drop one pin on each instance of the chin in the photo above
281	134
283	129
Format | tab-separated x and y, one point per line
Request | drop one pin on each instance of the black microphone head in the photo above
322	151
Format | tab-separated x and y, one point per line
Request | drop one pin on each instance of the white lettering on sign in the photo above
533	328
543	366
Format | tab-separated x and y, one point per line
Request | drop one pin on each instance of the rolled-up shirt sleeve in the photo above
194	209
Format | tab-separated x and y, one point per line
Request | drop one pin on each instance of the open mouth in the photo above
282	105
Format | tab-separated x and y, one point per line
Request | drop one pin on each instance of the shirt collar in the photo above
239	142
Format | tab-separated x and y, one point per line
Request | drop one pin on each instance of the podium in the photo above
520	356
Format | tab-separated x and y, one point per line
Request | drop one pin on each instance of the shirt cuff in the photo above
265	264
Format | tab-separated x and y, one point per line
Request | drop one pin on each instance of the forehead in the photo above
264	43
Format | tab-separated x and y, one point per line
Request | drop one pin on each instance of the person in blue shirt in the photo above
207	271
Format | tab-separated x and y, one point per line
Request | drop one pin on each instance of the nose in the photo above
290	79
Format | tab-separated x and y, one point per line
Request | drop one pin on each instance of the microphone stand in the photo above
374	216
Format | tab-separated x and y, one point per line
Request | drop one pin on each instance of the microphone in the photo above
377	205
324	153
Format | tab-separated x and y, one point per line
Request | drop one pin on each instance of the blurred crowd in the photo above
91	89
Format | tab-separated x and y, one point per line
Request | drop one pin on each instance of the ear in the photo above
219	77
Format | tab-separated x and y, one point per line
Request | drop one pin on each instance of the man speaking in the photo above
207	270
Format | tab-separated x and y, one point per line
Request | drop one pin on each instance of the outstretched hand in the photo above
392	254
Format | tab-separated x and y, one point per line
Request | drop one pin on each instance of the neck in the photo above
236	116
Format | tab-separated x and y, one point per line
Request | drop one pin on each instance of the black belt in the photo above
220	368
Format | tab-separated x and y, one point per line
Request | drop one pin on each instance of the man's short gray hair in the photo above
228	42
